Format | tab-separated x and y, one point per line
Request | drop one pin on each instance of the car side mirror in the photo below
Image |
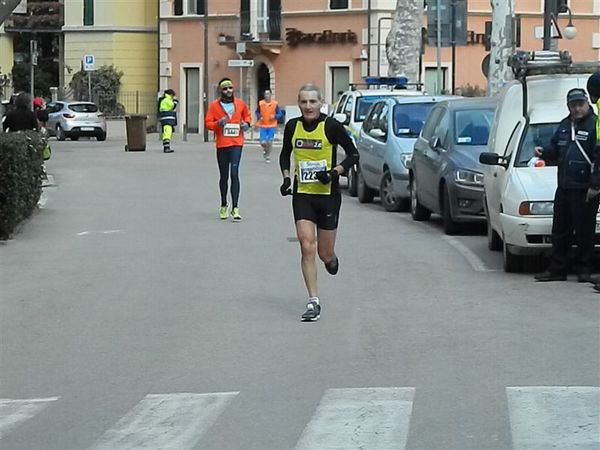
377	133
493	159
341	117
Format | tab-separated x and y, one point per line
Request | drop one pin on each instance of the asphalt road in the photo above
132	317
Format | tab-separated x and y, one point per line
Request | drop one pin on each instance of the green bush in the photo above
21	174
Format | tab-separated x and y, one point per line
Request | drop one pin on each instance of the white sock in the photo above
313	299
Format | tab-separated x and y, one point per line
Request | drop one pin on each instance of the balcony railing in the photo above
267	28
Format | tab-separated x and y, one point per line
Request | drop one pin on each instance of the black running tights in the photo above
228	159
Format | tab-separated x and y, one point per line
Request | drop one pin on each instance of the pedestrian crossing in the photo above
541	417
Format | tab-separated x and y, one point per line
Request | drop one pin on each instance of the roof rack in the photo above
545	62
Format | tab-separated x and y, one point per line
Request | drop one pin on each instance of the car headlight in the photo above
405	159
469	177
536	208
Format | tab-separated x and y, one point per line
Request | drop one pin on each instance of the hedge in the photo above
21	174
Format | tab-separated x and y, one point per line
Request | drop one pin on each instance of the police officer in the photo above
168	118
575	204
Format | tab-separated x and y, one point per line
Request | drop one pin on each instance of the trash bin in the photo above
136	133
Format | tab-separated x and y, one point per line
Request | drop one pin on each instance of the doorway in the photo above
263	81
340	82
192	97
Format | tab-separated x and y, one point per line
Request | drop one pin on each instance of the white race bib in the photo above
231	130
308	170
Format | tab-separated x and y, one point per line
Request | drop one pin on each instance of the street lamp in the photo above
570	30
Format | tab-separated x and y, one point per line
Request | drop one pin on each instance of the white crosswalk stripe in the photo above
560	417
360	418
166	421
13	412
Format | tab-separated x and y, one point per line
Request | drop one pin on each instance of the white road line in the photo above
554	417
166	422
363	418
13	412
84	233
476	262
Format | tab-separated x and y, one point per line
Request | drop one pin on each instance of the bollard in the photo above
184	132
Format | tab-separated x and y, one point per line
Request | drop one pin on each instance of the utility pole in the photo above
550	7
502	45
33	55
403	43
205	70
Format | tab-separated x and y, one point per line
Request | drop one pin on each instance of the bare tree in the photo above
503	20
403	43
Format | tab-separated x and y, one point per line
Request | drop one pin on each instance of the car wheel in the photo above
450	225
493	239
512	262
417	211
386	192
101	136
60	134
352	181
365	193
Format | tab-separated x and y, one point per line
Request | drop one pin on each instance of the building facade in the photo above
122	33
282	44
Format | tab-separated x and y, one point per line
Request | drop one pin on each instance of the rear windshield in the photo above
473	126
84	107
409	118
537	135
363	104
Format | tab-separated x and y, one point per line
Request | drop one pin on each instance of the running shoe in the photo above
312	313
235	213
333	265
223	212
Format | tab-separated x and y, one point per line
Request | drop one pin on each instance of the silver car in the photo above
385	144
75	119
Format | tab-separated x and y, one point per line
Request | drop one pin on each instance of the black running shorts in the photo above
324	210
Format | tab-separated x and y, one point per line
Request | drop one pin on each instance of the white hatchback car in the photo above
519	191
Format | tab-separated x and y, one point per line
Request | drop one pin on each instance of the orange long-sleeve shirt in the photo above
230	135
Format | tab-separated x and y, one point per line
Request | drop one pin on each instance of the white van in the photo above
518	191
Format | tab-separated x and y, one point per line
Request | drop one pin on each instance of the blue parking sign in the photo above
89	62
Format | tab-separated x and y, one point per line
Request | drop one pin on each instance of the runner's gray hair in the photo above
311	87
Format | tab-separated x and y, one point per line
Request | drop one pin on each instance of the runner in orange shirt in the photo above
267	115
228	117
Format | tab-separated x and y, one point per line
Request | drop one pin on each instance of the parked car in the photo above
385	144
445	175
519	193
353	105
75	119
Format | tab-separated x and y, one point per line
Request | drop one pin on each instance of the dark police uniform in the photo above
314	147
576	173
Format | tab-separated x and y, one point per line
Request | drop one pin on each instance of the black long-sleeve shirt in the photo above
335	133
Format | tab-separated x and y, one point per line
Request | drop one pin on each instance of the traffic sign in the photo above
89	63
240	63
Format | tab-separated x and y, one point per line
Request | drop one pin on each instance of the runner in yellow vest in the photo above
593	88
267	115
316	202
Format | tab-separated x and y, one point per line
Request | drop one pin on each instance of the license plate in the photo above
87	128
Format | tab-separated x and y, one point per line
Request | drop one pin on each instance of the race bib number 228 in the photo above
308	170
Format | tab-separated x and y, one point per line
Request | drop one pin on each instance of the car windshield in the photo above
537	135
84	107
363	104
409	118
473	126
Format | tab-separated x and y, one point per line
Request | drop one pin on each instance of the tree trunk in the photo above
403	43
6	8
503	20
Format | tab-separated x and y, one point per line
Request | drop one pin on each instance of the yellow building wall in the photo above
6	62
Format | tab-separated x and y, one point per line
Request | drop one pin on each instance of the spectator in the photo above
20	117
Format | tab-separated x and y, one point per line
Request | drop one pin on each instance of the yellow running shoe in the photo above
223	212
235	213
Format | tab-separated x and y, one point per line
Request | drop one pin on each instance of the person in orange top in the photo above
228	117
267	114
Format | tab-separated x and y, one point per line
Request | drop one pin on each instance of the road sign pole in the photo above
89	86
439	47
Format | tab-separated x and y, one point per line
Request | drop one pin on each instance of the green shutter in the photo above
88	12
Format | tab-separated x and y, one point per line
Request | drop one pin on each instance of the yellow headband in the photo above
225	83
